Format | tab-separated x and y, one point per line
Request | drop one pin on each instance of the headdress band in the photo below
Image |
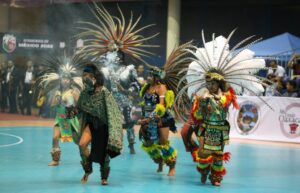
214	75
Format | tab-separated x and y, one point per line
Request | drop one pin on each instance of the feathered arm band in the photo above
144	89
196	114
160	110
169	98
229	97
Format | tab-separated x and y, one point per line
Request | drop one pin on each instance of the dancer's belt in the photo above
219	127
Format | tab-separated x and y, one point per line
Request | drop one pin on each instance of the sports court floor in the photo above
253	168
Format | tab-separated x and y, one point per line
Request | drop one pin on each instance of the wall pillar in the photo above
173	30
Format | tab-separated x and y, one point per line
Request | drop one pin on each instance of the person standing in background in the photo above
27	87
12	81
3	96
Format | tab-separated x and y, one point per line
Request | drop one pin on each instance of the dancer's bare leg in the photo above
83	146
55	147
163	139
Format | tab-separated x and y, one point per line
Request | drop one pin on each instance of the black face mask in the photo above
88	84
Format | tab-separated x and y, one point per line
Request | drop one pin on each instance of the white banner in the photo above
255	120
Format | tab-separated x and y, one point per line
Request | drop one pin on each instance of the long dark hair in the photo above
222	85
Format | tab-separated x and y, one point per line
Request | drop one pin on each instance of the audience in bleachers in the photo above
280	84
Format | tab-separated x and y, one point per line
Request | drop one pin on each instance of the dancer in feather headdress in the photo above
158	97
108	42
113	34
214	77
62	83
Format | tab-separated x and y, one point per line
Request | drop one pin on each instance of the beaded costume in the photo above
158	98
213	78
62	82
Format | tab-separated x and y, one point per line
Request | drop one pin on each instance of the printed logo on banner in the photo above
9	43
247	118
290	120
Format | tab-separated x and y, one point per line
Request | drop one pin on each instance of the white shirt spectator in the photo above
280	71
28	77
8	74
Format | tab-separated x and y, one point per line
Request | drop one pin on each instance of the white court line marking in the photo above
10	135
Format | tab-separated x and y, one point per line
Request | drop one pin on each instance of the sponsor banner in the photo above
255	120
22	43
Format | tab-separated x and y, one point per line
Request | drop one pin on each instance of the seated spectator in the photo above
269	90
276	69
291	89
280	85
273	87
294	64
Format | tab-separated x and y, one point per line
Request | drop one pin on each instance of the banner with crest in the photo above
255	120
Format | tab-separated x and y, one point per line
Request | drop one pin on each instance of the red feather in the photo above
226	156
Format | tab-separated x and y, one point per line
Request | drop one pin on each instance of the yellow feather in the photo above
160	110
169	98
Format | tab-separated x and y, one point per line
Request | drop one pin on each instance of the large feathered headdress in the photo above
236	66
170	75
177	61
58	68
112	34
